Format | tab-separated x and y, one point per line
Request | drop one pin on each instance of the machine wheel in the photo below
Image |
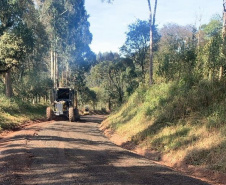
77	116
71	114
49	113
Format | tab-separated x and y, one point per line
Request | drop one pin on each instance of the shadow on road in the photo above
77	153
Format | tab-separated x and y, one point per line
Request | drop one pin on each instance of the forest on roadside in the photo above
182	54
179	119
45	43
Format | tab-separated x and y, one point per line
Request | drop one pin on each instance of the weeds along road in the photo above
62	153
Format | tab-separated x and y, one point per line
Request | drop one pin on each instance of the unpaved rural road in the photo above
63	153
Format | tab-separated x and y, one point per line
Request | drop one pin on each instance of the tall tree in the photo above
152	25
137	43
224	37
17	36
68	26
152	16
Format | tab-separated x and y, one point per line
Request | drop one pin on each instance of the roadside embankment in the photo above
14	113
180	125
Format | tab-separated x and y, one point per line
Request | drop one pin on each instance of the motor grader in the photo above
63	103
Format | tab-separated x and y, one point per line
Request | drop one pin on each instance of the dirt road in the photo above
63	153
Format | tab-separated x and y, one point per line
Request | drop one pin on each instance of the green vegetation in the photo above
14	112
43	44
182	116
167	87
23	46
186	123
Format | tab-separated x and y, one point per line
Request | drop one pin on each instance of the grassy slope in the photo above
13	112
186	124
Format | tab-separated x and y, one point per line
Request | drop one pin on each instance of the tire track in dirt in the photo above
61	153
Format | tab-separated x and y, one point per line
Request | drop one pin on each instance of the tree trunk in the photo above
36	99
76	99
152	24
62	79
151	57
109	104
221	70
66	76
51	64
8	85
120	95
54	69
210	75
143	68
57	74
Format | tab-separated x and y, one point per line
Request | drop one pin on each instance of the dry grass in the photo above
186	124
14	112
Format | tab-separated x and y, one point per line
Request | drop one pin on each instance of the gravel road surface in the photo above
65	153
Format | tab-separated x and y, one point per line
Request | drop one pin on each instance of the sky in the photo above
109	22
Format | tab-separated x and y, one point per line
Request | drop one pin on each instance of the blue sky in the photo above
109	22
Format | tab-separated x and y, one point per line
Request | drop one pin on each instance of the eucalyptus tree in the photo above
68	28
222	67
137	44
34	69
152	16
